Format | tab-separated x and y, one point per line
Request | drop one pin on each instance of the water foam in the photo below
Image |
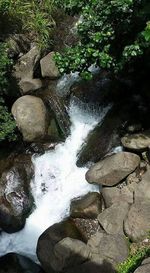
57	181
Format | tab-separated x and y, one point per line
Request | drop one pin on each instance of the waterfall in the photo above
57	181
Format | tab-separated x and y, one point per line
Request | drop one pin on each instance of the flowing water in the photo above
57	181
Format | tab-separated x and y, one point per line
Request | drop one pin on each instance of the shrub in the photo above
113	34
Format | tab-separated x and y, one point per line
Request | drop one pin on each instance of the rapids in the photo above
57	181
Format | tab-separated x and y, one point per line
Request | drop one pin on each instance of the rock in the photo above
111	219
26	64
137	142
50	237
102	139
18	44
58	107
112	195
103	266
142	191
25	69
87	227
69	253
134	128
48	66
31	117
112	248
144	267
16	200
14	263
88	206
28	84
53	130
113	169
137	223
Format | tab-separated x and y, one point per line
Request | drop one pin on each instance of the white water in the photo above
57	181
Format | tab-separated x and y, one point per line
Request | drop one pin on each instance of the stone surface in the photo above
137	223
142	191
113	169
112	195
69	253
48	66
28	84
31	117
14	263
144	268
18	44
111	219
88	206
16	200
112	248
103	266
50	237
137	142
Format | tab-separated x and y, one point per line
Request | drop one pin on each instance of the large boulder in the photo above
52	236
16	200
136	142
137	222
111	219
48	66
88	206
113	169
31	117
69	253
112	248
14	263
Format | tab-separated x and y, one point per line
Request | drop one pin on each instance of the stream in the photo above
57	181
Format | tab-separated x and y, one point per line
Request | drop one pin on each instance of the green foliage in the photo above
113	34
34	16
7	124
133	261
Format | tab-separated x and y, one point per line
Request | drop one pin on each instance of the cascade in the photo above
57	181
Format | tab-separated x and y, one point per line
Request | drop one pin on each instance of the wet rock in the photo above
102	139
16	201
114	194
48	66
136	142
87	227
111	219
69	253
14	263
113	169
134	128
31	117
137	223
58	107
88	206
112	248
48	240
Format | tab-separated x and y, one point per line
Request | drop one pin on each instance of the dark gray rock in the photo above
16	201
52	236
88	206
14	263
145	267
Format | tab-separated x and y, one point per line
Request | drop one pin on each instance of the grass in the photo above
134	261
34	17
